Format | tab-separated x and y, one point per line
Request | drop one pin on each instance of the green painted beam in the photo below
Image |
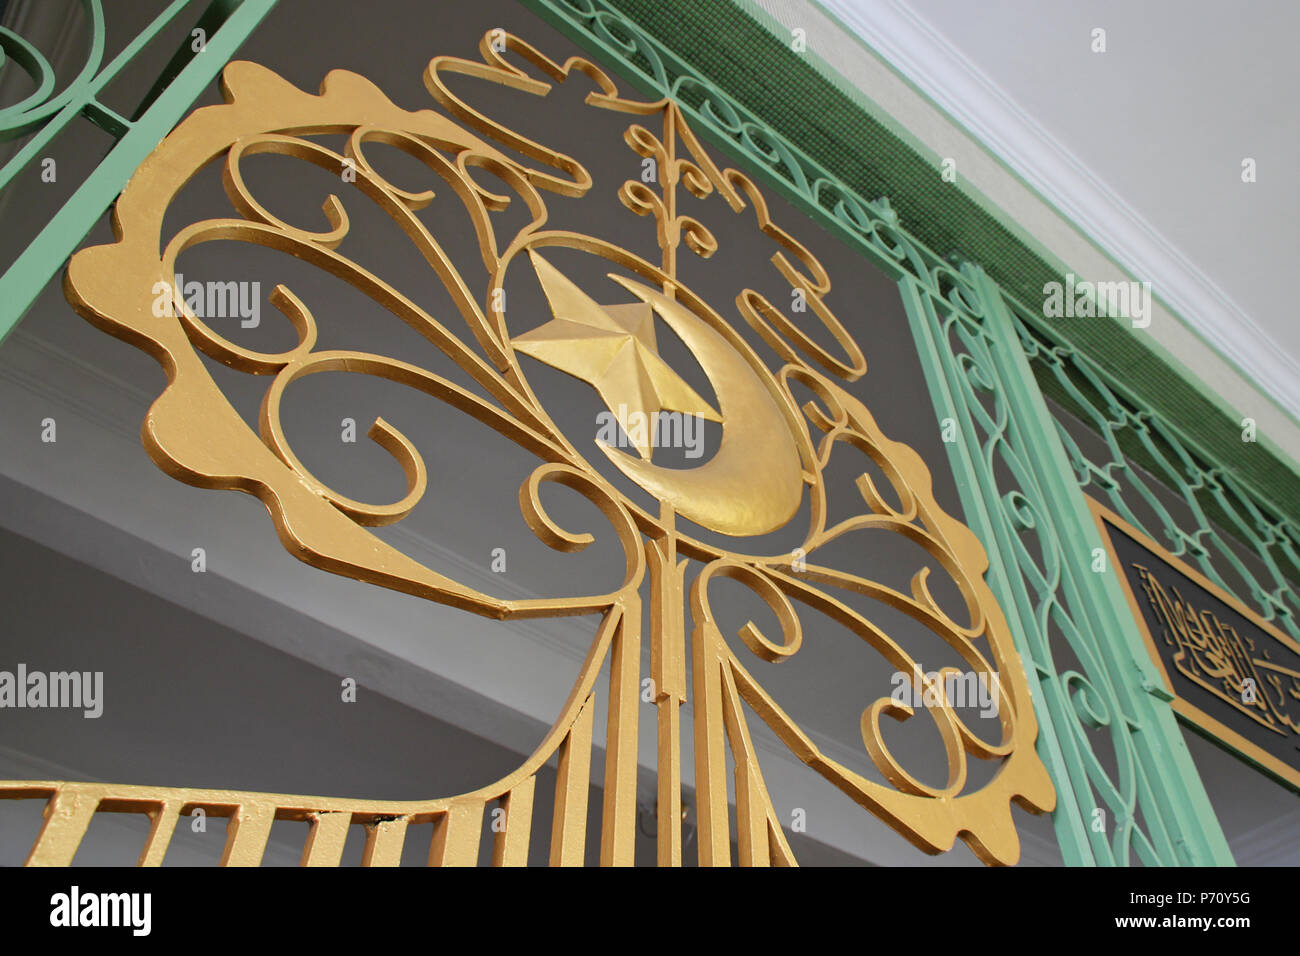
979	498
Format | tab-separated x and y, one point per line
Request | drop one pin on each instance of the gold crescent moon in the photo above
754	484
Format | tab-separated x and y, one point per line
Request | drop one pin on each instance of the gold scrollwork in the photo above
195	435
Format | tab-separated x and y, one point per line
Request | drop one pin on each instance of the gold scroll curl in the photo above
318	525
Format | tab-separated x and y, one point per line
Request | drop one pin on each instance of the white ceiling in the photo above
1141	145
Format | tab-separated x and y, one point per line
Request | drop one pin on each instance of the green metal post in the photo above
980	501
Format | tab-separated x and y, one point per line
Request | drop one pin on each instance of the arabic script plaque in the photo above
1231	675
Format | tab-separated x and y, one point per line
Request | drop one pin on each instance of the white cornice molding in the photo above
941	72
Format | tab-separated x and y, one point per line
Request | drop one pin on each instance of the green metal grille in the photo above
1126	787
1140	451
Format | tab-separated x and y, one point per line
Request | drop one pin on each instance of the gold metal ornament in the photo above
772	452
611	348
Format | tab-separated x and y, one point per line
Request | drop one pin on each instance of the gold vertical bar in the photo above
668	671
751	797
247	834
160	833
751	817
326	839
569	826
510	846
670	230
759	837
67	815
618	820
384	839
669	820
777	848
456	836
710	757
667	649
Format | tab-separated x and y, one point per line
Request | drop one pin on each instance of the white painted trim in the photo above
942	73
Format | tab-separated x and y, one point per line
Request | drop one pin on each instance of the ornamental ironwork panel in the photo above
772	458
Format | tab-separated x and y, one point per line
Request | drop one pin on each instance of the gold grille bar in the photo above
70	808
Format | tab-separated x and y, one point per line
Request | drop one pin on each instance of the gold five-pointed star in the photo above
611	347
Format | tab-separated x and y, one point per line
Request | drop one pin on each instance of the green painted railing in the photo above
45	113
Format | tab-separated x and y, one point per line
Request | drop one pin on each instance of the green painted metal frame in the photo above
1018	484
1150	472
47	112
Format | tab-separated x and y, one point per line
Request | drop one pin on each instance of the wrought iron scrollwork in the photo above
194	434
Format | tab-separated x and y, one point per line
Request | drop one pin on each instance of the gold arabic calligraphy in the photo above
1212	654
